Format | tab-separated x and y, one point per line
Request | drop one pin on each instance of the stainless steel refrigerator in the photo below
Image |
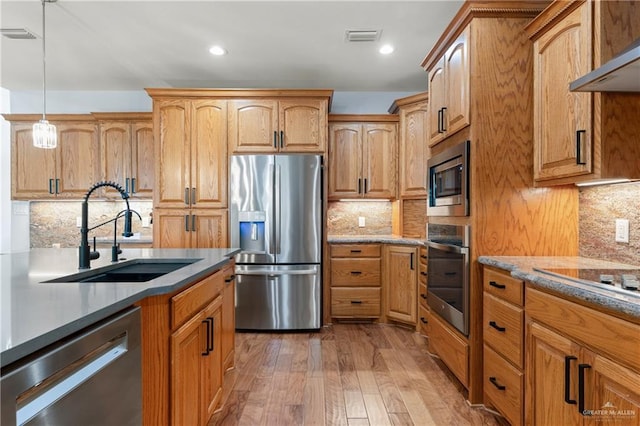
275	209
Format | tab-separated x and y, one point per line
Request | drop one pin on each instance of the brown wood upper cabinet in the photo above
449	91
362	156
272	125
67	171
190	153
582	136
126	152
413	151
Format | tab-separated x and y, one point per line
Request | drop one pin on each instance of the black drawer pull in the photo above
495	383
497	327
423	273
356	302
496	285
424	321
229	278
209	325
424	256
567	379
356	251
581	368
356	272
424	296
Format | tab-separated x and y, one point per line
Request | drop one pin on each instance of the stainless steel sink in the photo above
133	271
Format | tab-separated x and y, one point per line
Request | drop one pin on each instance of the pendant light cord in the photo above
44	67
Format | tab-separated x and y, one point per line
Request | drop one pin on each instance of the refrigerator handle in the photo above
272	228
278	213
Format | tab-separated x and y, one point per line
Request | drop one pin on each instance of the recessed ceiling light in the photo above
218	51
386	49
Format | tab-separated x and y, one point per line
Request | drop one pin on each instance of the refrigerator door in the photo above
251	183
298	208
277	297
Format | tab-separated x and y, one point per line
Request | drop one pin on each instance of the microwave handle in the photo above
449	248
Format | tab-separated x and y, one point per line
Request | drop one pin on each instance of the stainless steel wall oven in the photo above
448	273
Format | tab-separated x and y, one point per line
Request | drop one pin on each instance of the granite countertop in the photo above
382	239
34	314
521	267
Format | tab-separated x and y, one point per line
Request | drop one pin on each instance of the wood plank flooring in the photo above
345	374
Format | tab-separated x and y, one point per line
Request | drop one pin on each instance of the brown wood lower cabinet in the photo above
183	342
582	365
401	278
451	347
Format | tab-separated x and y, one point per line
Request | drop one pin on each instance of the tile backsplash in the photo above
342	217
600	206
54	222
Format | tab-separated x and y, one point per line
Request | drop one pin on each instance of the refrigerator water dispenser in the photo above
252	237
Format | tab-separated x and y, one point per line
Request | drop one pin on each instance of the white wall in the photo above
82	102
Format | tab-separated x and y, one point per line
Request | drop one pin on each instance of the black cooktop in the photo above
627	280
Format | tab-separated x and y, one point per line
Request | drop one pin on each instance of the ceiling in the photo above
130	45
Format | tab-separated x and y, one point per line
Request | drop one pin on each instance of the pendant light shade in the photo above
44	133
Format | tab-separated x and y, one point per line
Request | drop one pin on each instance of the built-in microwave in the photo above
449	182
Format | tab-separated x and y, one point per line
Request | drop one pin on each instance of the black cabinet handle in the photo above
496	285
281	139
440	121
365	185
133	185
423	273
208	324
424	296
424	256
186	223
444	129
495	383
497	327
51	186
126	185
275	139
567	379
57	186
193	223
356	251
229	278
424	320
186	196
356	272
356	302
581	368
411	261
579	134
213	341
193	196
359	185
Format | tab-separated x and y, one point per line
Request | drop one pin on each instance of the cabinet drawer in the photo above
355	272
422	295
355	250
424	319
504	286
355	302
451	349
423	256
503	328
503	386
187	303
422	275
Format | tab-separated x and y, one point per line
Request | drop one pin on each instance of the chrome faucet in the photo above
86	255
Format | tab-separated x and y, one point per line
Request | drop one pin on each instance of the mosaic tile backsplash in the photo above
342	217
55	222
600	206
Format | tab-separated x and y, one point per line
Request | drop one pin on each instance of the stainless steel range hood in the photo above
620	74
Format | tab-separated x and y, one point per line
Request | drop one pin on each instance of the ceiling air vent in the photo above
361	35
17	33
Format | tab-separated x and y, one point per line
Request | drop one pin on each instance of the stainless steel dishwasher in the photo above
91	378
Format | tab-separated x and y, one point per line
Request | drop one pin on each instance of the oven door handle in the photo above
448	247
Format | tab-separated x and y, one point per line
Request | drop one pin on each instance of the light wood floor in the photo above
346	374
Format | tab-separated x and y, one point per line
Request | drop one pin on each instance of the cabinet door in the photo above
547	356
253	126
33	170
170	228
562	119
208	228
379	167
345	160
457	84
78	158
413	150
142	159
172	153
228	317
436	102
188	344
401	283
303	125
115	153
211	380
208	181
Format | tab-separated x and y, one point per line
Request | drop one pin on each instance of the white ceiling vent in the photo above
17	33
351	36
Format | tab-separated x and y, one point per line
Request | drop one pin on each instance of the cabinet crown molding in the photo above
418	97
240	93
344	118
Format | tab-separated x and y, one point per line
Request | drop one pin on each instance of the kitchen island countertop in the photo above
34	314
622	303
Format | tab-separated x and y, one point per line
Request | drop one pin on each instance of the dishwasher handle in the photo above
273	273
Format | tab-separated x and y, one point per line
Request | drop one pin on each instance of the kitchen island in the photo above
35	313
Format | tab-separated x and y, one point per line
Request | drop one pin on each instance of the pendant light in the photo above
44	133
